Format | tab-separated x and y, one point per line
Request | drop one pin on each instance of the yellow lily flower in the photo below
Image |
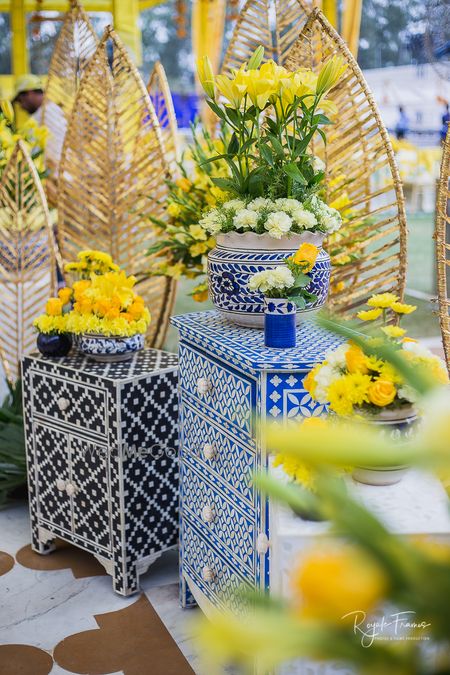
206	76
232	91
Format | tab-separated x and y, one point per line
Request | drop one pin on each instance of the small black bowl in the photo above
55	345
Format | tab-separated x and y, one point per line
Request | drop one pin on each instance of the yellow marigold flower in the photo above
381	393
356	360
309	382
198	249
79	287
383	300
369	314
54	307
200	296
197	232
136	309
402	308
306	256
393	331
332	581
113	313
65	295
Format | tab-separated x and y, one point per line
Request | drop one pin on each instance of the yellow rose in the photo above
381	393
306	256
355	360
333	581
369	314
383	300
65	295
54	307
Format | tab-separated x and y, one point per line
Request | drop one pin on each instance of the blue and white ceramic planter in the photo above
397	426
237	257
279	323
109	349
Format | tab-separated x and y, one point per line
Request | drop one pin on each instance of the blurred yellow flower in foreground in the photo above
383	300
356	360
331	581
369	314
393	331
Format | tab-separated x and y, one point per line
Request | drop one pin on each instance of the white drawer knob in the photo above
203	386
63	404
61	484
262	543
208	514
71	489
208	573
209	451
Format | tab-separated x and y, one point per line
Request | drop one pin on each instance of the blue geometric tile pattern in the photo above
221	337
229	381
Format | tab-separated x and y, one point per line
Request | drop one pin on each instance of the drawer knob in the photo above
60	484
208	573
63	404
209	451
208	514
203	386
262	543
71	489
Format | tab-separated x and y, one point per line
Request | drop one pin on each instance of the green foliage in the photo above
13	470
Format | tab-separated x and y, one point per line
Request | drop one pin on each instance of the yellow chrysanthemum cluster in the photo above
352	382
33	136
91	262
380	304
104	304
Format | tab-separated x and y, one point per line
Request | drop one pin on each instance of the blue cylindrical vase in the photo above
279	323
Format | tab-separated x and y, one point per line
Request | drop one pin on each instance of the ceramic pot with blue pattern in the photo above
279	323
237	256
397	426
109	349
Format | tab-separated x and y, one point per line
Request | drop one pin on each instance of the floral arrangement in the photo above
103	304
183	244
31	133
267	154
289	280
277	218
353	382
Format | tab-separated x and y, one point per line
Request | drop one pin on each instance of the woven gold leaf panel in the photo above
254	27
113	172
27	258
442	236
360	166
74	47
159	91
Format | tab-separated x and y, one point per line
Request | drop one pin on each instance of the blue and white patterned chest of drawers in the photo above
230	384
102	455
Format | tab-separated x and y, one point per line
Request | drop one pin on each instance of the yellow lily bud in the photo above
7	110
206	76
330	74
255	60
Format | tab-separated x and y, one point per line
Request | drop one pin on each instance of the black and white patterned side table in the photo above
102	454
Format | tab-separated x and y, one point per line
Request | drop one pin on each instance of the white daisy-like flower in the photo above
245	218
278	224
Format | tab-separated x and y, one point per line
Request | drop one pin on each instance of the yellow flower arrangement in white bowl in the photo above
105	316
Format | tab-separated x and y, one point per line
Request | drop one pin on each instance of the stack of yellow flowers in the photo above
352	382
103	304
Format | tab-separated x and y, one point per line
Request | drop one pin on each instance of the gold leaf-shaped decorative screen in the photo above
254	28
27	258
442	237
369	254
159	91
113	173
74	48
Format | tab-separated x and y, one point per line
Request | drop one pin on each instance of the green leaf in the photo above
299	302
293	172
215	108
276	145
224	183
233	145
267	155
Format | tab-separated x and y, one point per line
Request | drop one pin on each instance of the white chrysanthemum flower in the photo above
407	393
288	205
245	218
304	218
336	357
278	224
281	277
260	203
235	204
211	222
259	281
419	350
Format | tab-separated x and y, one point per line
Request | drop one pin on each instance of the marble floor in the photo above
42	608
